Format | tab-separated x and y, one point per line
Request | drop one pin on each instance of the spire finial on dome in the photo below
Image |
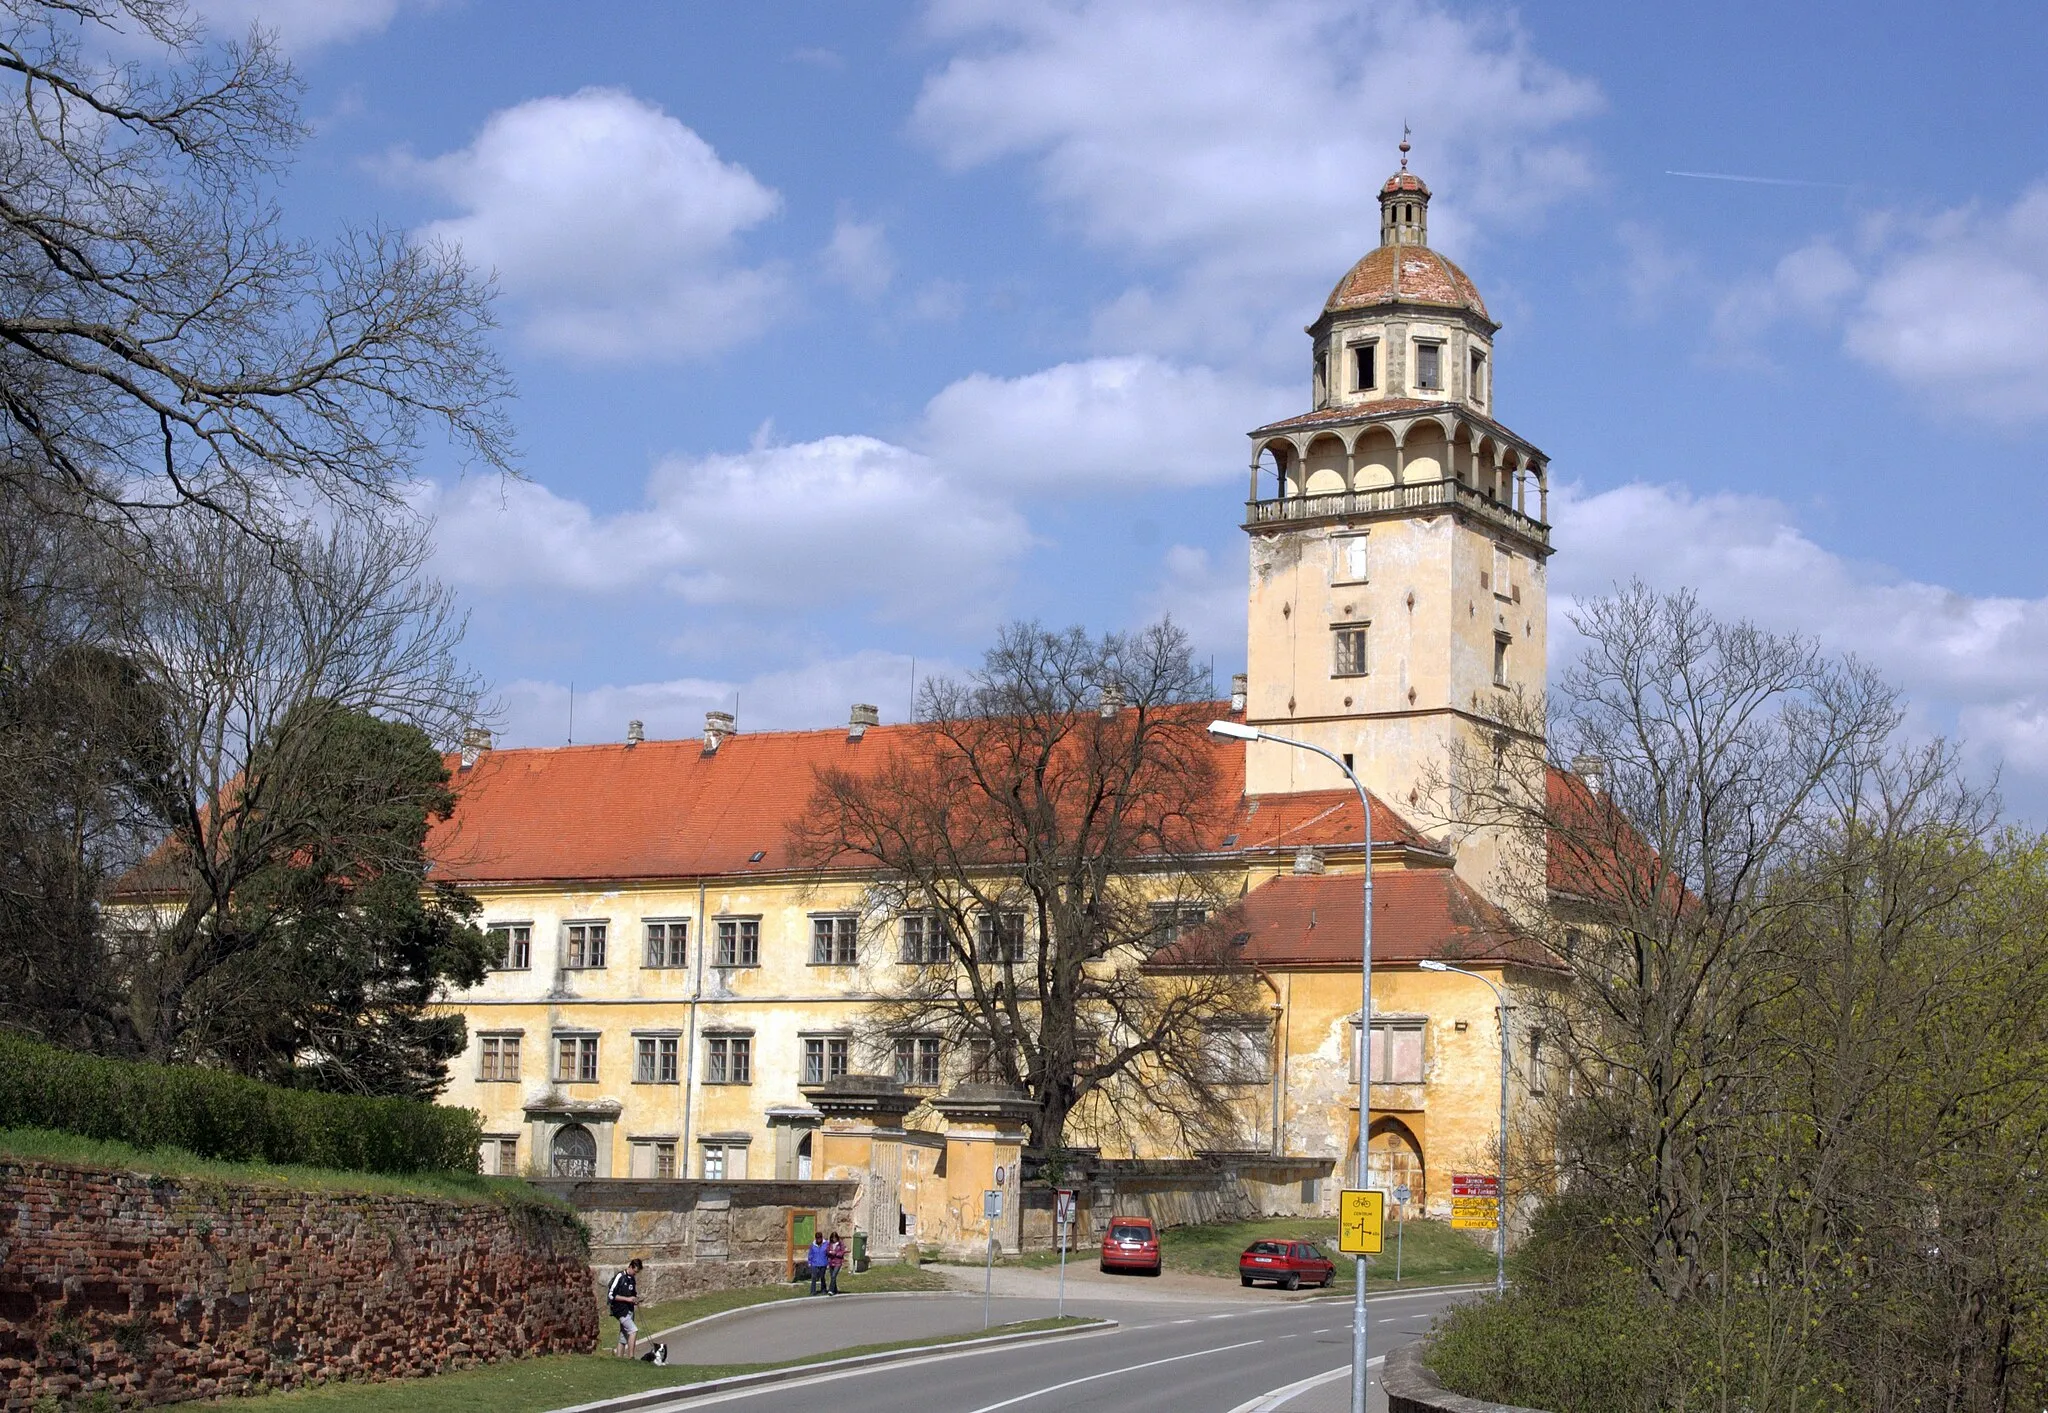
1405	130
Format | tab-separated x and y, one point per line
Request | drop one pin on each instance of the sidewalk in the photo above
790	1329
1325	1393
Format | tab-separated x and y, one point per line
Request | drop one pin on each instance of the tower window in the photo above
1429	366
1365	361
1350	658
1500	660
1348	565
1478	376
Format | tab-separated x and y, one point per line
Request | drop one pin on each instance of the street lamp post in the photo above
1500	1214
1238	731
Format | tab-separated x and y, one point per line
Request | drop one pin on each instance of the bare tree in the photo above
256	659
1044	831
162	341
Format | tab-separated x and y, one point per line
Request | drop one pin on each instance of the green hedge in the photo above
219	1115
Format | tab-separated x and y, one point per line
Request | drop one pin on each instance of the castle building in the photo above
676	995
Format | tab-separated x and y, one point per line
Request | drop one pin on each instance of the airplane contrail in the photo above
1760	181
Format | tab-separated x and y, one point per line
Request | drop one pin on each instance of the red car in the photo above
1131	1244
1288	1264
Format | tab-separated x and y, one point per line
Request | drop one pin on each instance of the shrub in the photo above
219	1115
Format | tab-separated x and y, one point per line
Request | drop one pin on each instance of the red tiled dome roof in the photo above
1421	277
1404	181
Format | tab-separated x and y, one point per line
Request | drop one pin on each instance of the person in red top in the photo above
835	1257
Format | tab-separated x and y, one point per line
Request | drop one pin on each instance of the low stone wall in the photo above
695	1235
1411	1388
146	1290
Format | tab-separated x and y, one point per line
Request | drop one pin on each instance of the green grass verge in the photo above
1431	1254
535	1385
34	1143
670	1313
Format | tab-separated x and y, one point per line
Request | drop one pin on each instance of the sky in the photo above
846	332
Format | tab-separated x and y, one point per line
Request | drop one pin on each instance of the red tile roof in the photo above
667	809
1404	181
1316	919
1406	274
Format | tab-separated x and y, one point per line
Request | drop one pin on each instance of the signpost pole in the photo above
991	1208
1063	1211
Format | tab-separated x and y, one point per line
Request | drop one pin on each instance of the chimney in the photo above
1240	693
1592	770
635	733
1112	701
1307	860
717	726
475	741
864	715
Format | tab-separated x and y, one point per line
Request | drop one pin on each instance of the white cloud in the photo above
1104	425
1239	145
841	521
1975	663
1964	312
811	694
1206	595
611	224
858	258
299	24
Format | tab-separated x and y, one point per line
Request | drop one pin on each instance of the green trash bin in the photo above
860	1250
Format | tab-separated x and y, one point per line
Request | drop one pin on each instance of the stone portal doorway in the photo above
573	1152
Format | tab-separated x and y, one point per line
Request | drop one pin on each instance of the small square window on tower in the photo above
1347	561
1365	366
1349	644
1429	366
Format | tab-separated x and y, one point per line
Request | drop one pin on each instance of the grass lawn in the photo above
1432	1254
33	1143
535	1385
670	1313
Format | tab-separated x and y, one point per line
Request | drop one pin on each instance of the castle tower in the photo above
1398	537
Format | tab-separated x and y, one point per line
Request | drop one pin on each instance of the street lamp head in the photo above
1430	964
1234	730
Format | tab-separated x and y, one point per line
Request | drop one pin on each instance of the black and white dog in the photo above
657	1353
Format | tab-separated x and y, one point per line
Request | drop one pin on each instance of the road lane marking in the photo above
1281	1397
1110	1374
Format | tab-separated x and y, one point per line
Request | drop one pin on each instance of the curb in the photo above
657	1396
1279	1397
759	1306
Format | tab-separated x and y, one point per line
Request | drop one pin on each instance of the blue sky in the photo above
844	332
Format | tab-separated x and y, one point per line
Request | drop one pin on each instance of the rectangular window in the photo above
999	937
657	1060
729	1059
668	944
832	940
500	1061
1240	1054
500	1156
826	1057
1365	366
981	1061
1500	660
1478	376
1348	644
725	1162
514	941
1503	572
654	1158
583	946
739	942
1429	360
714	1162
1536	1062
917	1059
1171	921
1347	562
927	940
1396	1052
576	1059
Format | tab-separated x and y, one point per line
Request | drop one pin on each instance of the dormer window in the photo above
1365	366
1429	374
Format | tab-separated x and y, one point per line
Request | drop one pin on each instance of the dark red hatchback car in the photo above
1288	1264
1131	1244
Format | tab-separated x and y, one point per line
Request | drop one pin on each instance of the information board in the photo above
1475	1201
1361	1216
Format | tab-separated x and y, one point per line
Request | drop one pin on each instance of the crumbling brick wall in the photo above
152	1290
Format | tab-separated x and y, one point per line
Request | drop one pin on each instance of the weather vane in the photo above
1405	130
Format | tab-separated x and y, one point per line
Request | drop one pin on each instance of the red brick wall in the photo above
151	1290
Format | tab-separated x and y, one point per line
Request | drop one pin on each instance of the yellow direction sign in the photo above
1475	1213
1360	1217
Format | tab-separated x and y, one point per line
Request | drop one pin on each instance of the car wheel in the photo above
1105	1268
1155	1270
1244	1280
1293	1282
1324	1283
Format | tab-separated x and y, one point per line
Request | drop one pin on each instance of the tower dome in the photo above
1404	270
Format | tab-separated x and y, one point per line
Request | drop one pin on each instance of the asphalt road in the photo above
1166	1357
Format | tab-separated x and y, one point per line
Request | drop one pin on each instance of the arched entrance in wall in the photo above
803	1158
1394	1160
573	1153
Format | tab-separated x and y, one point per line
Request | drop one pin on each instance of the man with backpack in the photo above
623	1299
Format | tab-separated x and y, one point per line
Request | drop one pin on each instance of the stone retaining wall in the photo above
145	1290
1411	1388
